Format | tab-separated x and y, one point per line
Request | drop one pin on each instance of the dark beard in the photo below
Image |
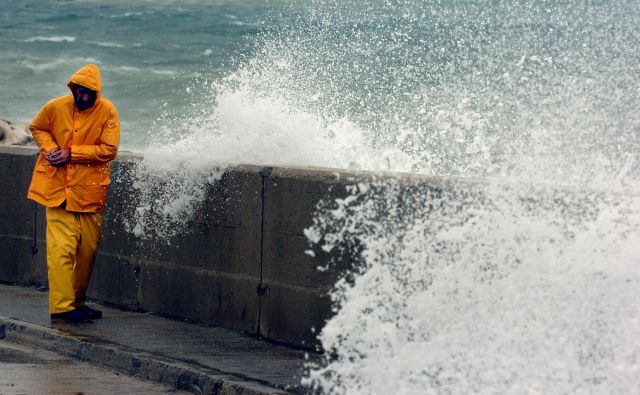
83	105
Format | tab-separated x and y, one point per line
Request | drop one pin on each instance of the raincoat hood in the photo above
87	76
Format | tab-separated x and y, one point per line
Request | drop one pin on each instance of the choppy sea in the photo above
148	52
529	286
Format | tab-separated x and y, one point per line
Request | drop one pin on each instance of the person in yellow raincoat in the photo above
78	135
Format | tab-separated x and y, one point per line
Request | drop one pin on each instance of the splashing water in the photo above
481	289
525	283
497	288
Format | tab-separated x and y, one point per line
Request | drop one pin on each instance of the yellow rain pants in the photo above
72	245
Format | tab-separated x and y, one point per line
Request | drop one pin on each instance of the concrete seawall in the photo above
242	265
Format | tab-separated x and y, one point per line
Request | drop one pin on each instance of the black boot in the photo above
93	313
70	317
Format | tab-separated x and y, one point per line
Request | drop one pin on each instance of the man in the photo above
78	136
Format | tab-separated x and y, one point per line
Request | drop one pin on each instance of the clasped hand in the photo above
58	157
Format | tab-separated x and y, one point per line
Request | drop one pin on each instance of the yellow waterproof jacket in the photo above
93	135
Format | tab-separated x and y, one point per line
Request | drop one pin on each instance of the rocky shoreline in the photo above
14	134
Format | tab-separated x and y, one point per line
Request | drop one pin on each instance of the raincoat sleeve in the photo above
41	130
107	148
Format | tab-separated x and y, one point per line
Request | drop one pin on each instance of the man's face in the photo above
84	97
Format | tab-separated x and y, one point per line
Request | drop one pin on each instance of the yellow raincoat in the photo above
93	135
74	232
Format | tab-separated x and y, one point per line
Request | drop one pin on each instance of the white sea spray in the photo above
241	124
525	282
481	288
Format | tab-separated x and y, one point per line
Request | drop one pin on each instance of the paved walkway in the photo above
27	370
146	342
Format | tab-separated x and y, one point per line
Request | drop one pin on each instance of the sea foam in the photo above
55	39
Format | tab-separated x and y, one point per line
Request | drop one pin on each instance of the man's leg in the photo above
91	225
63	233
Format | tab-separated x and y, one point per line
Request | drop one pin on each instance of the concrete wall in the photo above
243	266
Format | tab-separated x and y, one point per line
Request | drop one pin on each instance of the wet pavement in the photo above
218	349
27	370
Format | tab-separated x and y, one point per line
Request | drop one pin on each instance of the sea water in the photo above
148	52
522	282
